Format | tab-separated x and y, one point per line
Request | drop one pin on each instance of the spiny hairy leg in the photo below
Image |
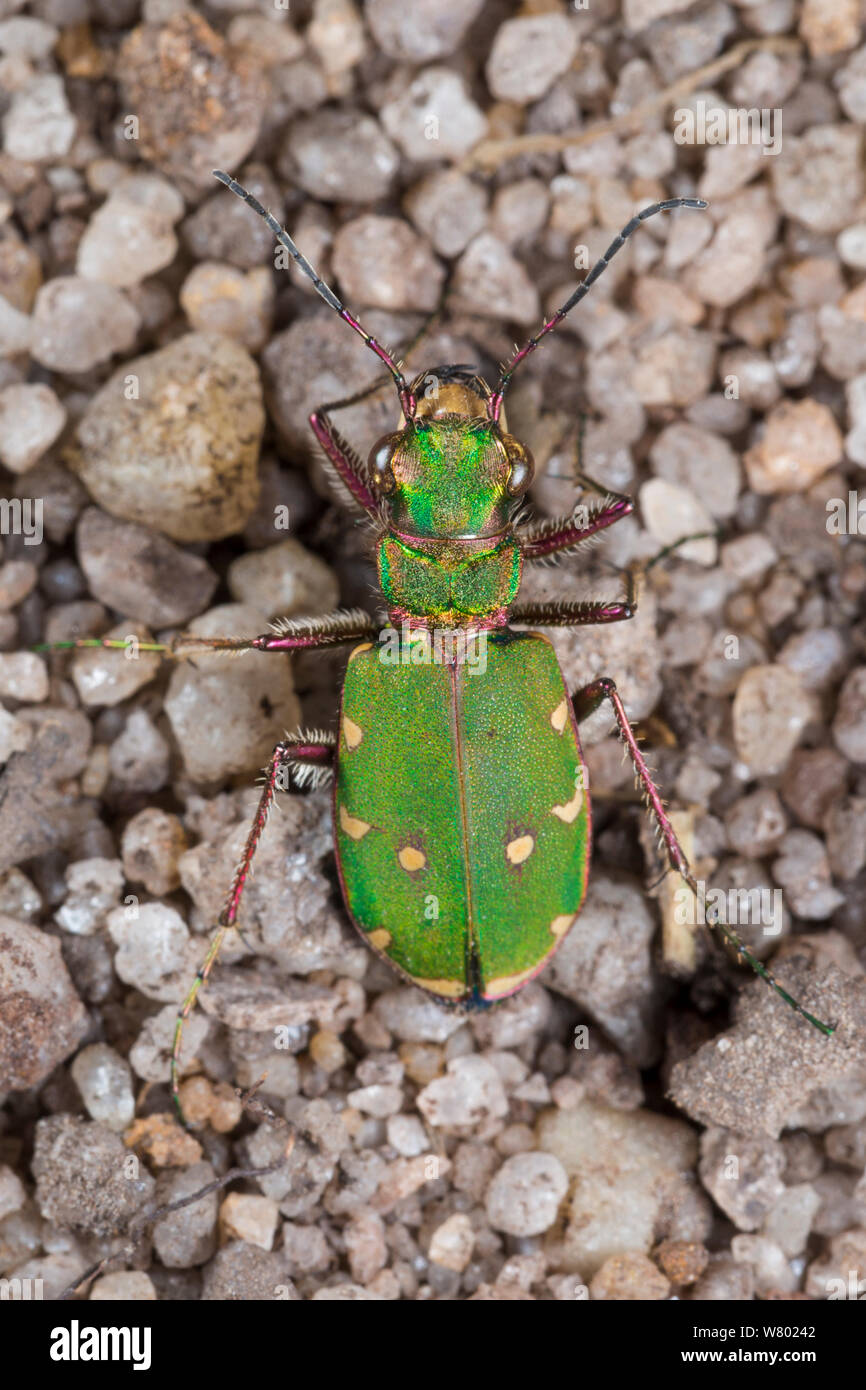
566	533
303	759
580	613
286	635
587	700
344	459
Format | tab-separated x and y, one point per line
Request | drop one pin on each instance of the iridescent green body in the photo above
461	821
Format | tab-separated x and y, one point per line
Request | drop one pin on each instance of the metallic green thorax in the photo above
447	583
450	480
461	821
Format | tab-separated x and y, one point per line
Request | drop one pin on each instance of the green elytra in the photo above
461	820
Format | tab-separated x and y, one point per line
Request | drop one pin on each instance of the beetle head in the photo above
451	470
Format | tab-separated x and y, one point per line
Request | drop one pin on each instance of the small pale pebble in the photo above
382	262
407	1135
405	1176
683	1261
155	953
671	512
17	579
244	1216
435	118
742	1174
421	32
489	281
219	298
629	1277
31	418
448	208
452	1243
789	1222
754	376
159	1137
773	1271
19	896
124	1286
702	463
366	1246
305	1248
12	1192
187	1236
140	572
803	872
519	210
849	724
151	845
284	580
104	1079
845	829
470	1092
39	124
93	888
801	441
820	180
675	368
756	823
379	1101
851	245
528	55
77	324
566	1093
336	34
23	676
733	263
747	558
16	331
814	781
515	1139
139	757
829	29
414	1017
524	1197
131	236
107	677
329	1053
341	156
771	710
344	1293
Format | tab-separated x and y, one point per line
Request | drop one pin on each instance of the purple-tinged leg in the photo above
315	755
578	614
567	532
589	699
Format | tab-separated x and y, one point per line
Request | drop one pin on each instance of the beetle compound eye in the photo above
379	463
522	464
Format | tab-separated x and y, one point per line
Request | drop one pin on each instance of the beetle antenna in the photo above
407	400
494	404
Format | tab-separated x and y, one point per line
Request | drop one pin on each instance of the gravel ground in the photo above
646	1120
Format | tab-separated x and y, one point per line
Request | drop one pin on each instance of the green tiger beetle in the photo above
460	808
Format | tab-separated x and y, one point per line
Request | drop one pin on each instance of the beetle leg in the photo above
288	634
289	754
567	532
589	699
346	463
